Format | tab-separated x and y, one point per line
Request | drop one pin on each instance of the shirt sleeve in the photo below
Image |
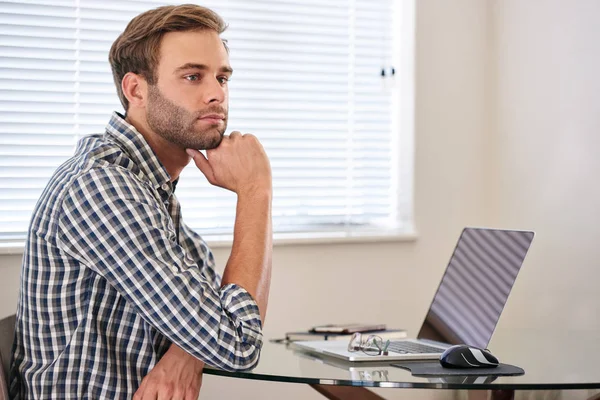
196	247
112	223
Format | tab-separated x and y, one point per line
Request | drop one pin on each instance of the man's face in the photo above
188	104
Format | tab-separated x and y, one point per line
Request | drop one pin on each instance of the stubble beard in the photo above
177	125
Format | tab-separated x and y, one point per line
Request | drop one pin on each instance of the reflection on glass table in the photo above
340	379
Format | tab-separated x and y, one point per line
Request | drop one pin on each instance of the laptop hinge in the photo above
435	343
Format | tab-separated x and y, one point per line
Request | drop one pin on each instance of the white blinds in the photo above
307	82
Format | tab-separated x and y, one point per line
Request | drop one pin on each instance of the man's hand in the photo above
239	164
177	376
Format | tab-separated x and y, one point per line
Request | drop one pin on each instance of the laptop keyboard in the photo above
404	347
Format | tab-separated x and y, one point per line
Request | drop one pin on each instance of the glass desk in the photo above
576	367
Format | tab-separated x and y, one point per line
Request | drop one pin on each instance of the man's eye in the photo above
223	79
192	78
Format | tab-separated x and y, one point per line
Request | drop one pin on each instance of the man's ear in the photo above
135	88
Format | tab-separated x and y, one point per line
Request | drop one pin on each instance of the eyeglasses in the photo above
371	345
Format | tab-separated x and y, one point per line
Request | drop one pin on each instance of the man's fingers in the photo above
139	394
164	396
167	392
191	394
178	395
202	164
150	392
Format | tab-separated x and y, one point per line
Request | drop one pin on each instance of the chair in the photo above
7	329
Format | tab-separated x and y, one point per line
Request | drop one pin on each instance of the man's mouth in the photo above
212	118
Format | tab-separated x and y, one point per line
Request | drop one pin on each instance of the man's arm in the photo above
241	165
112	223
249	264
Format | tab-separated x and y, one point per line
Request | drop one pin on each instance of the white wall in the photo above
546	165
312	283
450	174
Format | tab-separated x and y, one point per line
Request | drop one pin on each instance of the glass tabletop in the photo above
571	365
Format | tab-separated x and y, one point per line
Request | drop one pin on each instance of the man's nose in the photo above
214	92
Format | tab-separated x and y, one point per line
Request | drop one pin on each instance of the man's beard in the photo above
177	125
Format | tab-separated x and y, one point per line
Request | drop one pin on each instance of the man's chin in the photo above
210	140
212	145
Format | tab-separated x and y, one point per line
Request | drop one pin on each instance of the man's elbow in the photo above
244	358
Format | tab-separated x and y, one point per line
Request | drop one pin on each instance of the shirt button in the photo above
165	186
174	269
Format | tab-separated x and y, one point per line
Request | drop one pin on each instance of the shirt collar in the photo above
140	152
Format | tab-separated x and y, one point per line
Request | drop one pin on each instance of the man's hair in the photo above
137	49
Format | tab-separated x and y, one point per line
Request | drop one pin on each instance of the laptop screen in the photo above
475	286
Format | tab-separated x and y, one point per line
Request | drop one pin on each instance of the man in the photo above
118	297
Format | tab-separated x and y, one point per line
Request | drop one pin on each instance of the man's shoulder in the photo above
99	169
98	161
97	152
107	180
99	174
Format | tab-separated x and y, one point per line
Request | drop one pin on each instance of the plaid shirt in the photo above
112	276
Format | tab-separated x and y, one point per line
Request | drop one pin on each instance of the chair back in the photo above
7	331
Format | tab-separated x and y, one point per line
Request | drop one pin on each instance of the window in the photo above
314	80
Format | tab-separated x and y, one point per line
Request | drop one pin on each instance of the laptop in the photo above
467	304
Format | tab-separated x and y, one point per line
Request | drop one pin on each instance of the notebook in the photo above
467	304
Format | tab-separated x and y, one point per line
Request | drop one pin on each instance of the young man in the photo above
118	297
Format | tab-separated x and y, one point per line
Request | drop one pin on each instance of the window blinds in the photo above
313	81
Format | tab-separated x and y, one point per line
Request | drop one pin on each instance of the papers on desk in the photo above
306	335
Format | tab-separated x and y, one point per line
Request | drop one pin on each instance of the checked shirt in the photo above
112	276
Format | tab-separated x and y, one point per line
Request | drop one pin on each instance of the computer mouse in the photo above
464	356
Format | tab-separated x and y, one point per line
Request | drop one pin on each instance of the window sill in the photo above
281	239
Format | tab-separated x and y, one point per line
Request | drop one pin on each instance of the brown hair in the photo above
137	48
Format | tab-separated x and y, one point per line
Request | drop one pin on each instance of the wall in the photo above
313	282
545	165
